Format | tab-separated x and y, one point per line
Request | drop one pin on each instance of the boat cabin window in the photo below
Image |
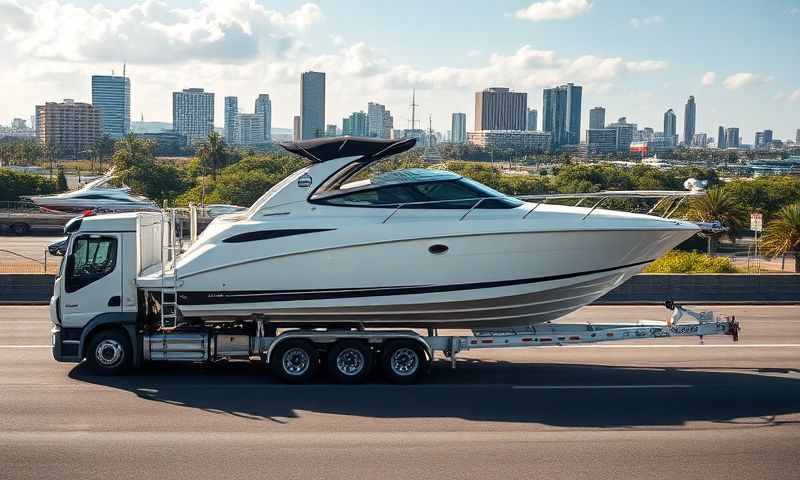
418	188
93	257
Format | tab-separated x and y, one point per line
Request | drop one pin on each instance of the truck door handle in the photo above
71	305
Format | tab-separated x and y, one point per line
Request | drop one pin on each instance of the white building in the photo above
231	110
522	141
250	129
376	120
193	114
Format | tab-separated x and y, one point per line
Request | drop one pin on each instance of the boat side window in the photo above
382	196
461	189
92	258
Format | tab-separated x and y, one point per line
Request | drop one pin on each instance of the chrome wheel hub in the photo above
109	352
350	361
295	361
404	361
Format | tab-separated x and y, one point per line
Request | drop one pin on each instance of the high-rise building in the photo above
264	108
330	130
231	110
500	109
797	136
670	123
193	114
699	140
375	119
297	130
763	139
689	120
625	133
355	124
601	141
458	128
250	128
597	118
69	128
562	113
721	138
312	105
111	96
388	124
533	119
732	137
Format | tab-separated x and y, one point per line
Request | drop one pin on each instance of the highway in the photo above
670	409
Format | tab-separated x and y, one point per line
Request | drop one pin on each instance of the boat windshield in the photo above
418	188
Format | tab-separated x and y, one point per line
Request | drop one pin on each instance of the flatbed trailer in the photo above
21	222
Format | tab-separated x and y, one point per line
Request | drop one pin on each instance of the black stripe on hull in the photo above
257	296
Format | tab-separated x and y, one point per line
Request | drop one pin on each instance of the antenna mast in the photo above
413	109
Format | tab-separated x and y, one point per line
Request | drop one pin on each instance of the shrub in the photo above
691	262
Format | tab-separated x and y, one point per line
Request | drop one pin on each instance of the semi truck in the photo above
102	315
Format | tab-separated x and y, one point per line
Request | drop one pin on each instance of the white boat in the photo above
98	195
412	248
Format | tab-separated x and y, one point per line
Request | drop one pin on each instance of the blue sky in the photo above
637	59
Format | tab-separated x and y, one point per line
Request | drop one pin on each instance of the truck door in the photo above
92	282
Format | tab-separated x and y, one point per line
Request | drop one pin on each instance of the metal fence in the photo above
13	262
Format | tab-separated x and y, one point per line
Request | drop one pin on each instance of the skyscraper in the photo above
193	114
732	137
533	119
763	139
249	128
458	128
597	118
797	136
721	144
312	105
562	113
670	123
264	108
111	96
231	110
375	116
689	119
297	133
355	124
500	109
388	124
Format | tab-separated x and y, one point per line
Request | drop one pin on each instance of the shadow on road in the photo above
482	391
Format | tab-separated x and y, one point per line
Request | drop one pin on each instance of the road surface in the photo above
671	409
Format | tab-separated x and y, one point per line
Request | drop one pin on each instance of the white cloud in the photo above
795	96
744	79
708	79
794	11
554	10
647	66
473	53
637	22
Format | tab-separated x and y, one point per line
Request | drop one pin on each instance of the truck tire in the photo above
349	361
20	228
403	361
109	352
295	360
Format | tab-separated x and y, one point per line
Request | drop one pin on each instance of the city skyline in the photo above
247	48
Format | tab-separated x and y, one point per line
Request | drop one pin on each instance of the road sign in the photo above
756	222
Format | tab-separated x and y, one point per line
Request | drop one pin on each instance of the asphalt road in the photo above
668	409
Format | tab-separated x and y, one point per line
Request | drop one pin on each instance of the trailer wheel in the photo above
295	360
349	361
109	352
403	361
20	228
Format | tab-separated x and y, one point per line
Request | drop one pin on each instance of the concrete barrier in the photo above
641	289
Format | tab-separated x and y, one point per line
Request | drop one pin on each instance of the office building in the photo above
562	114
231	110
388	124
458	128
700	140
263	107
355	125
670	123
721	138
111	96
601	141
297	129
763	139
520	141
376	114
533	119
312	105
193	114
625	133
330	130
69	128
732	138
689	119
500	109
597	118
250	129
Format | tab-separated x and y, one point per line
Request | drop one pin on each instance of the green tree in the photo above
718	205
136	166
212	154
61	180
782	235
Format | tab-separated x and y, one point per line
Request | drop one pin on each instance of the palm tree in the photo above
783	234
718	205
212	153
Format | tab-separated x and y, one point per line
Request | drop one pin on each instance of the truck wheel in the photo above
295	360
403	361
349	361
109	352
20	228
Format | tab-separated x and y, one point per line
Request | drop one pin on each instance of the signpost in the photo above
756	225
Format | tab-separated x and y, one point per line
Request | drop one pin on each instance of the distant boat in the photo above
97	195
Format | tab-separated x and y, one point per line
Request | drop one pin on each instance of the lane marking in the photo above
595	387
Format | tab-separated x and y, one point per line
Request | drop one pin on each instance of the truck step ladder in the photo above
169	252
